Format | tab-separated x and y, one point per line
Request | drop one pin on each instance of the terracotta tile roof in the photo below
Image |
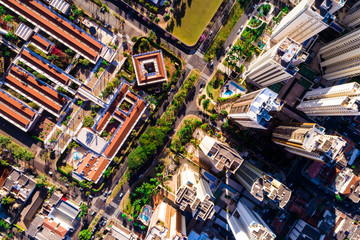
49	225
119	114
125	128
14	116
52	72
86	164
11	102
54	227
60	231
92	172
96	173
140	74
112	107
56	26
353	183
32	93
131	96
34	83
41	42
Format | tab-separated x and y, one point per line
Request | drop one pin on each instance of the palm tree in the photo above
8	18
2	10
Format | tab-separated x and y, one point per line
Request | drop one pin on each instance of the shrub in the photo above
167	17
206	103
166	3
88	121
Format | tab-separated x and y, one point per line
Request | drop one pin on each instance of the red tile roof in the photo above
55	228
112	107
52	72
88	169
34	94
40	42
140	74
119	114
54	25
125	128
14	116
9	101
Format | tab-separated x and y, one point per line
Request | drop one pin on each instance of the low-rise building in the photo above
19	187
149	68
91	168
60	220
303	231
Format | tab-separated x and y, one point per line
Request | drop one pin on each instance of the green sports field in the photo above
196	18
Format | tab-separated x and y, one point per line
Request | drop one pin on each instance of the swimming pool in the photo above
237	86
144	217
209	176
228	93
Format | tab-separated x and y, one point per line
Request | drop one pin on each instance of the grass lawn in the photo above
215	85
196	18
67	169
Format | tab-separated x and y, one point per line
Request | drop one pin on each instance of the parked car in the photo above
240	29
121	195
93	213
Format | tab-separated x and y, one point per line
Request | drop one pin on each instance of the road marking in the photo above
189	66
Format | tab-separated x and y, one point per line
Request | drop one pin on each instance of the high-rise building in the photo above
279	63
252	110
220	154
352	18
309	140
193	194
340	58
260	184
307	19
166	223
340	100
246	224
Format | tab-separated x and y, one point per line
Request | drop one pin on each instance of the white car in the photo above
241	28
227	49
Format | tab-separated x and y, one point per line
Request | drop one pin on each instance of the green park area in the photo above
193	17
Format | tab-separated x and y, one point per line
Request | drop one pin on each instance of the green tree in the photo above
157	20
166	3
167	17
2	10
152	35
136	158
88	121
85	234
214	117
41	180
83	210
8	18
7	201
107	173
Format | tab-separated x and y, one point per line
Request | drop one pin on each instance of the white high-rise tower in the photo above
341	58
341	100
307	19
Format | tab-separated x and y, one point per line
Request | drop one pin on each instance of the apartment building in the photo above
352	18
307	19
166	223
252	110
277	64
220	154
302	230
340	100
246	224
339	59
260	184
309	140
195	195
